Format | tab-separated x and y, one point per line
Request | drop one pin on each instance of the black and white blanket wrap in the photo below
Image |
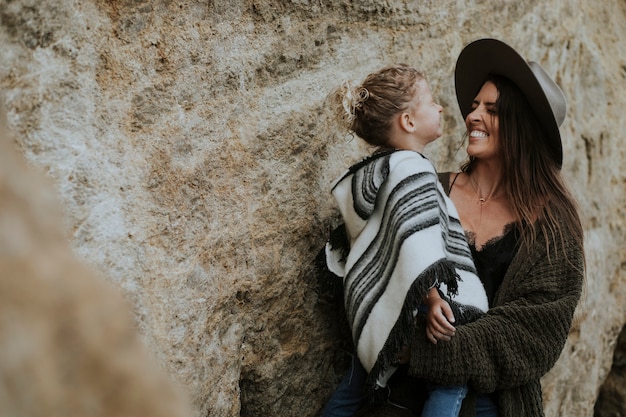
405	236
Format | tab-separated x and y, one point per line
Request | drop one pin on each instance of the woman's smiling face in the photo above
482	124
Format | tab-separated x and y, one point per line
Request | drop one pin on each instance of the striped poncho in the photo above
404	237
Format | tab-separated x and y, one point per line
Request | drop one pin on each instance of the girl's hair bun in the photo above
352	98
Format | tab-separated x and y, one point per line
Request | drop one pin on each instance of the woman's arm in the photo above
520	338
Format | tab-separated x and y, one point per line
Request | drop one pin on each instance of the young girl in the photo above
404	240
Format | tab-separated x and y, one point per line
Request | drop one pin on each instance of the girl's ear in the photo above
406	123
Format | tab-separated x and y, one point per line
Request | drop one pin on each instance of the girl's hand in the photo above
439	318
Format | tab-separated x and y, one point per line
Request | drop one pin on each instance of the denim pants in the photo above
350	393
485	406
445	401
442	401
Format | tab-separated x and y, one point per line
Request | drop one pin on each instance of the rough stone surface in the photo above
189	145
69	345
612	398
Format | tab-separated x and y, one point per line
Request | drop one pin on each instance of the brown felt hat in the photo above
491	56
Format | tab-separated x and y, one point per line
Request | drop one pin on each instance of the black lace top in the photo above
493	259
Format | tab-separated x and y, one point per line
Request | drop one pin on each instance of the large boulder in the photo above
191	150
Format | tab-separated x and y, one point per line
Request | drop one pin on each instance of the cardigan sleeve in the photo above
519	339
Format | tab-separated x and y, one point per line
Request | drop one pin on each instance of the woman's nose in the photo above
474	114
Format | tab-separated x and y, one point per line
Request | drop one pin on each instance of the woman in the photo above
526	238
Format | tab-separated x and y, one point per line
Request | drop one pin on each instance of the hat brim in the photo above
491	56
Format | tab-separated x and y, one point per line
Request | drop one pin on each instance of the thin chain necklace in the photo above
481	200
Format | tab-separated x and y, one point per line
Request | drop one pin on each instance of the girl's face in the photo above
482	124
426	114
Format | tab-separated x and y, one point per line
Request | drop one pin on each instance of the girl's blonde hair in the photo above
368	109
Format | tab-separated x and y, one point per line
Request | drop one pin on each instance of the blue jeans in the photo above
350	393
485	406
444	401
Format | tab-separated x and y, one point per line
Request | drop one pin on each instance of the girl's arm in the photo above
439	317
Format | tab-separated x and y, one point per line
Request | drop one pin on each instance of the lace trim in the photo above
471	237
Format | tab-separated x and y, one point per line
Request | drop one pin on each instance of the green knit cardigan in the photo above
519	339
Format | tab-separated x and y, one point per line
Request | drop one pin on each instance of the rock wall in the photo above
612	397
189	144
69	345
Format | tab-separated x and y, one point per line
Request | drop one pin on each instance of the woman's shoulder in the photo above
447	180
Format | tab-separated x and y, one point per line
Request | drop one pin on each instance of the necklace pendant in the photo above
482	200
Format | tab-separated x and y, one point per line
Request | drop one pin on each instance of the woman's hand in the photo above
439	318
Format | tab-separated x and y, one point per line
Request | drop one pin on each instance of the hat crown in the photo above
553	92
